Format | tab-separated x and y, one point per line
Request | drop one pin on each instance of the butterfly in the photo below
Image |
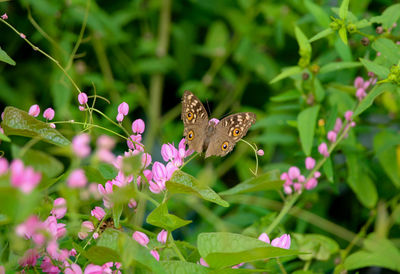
215	138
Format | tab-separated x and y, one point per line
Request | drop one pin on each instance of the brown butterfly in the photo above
206	135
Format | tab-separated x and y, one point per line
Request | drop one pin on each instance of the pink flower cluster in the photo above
143	240
362	85
123	110
48	114
24	178
82	99
282	242
295	181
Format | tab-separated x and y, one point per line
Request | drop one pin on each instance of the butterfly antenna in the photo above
208	107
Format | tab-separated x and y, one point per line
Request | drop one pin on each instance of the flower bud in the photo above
310	163
141	238
138	126
82	98
123	108
264	237
34	111
98	213
162	236
49	114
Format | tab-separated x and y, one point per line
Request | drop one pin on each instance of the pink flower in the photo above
359	82
48	267
52	125
123	108
338	125
348	115
310	163
159	172
203	262
93	269
154	187
323	149
378	53
80	145
146	160
138	126
120	117
332	136
312	183
34	110
288	190
297	187
26	179
105	142
282	242
4	16
49	114
214	121
264	237
237	266
260	152
98	213
30	258
105	155
95	235
87	226
294	172
141	238
162	236
82	98
77	179
2	270
60	208
155	254
23	36
360	94
168	152
73	269
3	166
134	142
171	168
132	203
81	108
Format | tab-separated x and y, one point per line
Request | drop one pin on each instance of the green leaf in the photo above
378	252
369	99
182	182
100	255
362	24
317	246
116	213
302	40
180	267
94	175
132	165
286	72
343	34
319	90
319	14
388	17
40	161
109	238
161	218
343	10
217	39
328	169
385	144
388	49
4	137
222	249
306	121
286	96
132	253
321	34
338	66
108	171
379	70
19	122
267	181
5	58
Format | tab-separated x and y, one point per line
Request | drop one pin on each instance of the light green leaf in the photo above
306	121
321	34
132	165
5	58
362	24
182	182
116	213
379	70
343	34
302	40
179	267
19	122
287	72
339	66
319	14
217	39
100	255
388	17
328	169
107	171
161	218
319	90
388	49
109	238
222	249
267	181
286	96
317	246
4	137
369	99
343	10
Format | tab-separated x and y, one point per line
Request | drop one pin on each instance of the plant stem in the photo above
175	248
286	207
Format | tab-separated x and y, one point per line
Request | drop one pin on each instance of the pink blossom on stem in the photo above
52	125
77	179
360	94
297	187
82	98
155	254
168	152
132	203
105	155
162	236
81	108
73	269
134	142
141	238
105	142
93	269
4	16
23	36
80	145
154	187
282	242
123	108
338	125
48	114
288	190
310	184
159	172
317	174
294	172
26	179
87	226
30	258
203	262
331	136
260	152
3	166
348	115
264	237
98	213
34	110
171	168
146	160
323	149
95	235
310	163
138	126
120	117
378	53
59	208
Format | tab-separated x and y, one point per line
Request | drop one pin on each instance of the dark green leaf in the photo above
182	182
267	181
108	171
317	246
388	49
19	122
100	255
180	267
161	218
116	213
94	175
328	169
379	70
306	121
319	14
388	17
109	238
5	58
369	99
338	66
132	165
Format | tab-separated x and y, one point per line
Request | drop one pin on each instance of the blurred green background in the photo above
147	53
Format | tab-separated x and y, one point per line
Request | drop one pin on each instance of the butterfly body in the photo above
213	137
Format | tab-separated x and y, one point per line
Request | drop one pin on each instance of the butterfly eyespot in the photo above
236	131
190	115
224	146
190	135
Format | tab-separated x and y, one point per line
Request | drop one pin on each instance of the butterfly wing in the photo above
228	132
195	121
